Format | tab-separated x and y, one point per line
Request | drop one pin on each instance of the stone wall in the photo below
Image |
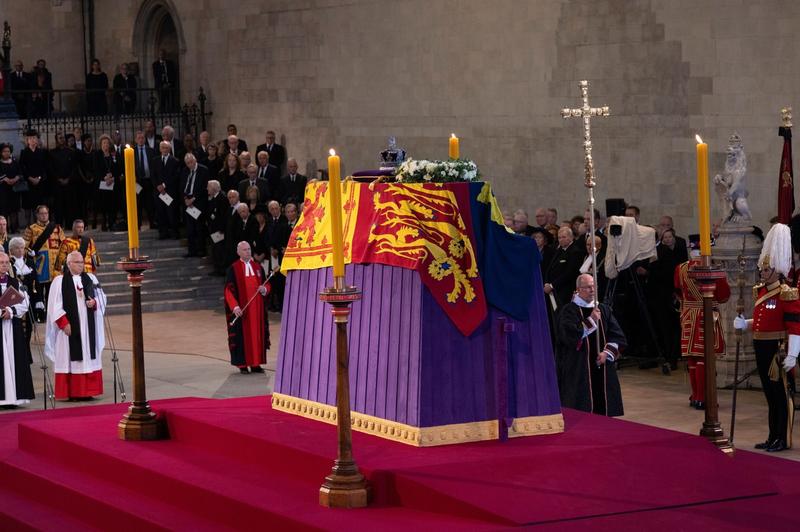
349	73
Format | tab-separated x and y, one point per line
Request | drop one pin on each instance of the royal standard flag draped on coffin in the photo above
427	227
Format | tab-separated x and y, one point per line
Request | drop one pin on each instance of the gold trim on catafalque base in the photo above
420	436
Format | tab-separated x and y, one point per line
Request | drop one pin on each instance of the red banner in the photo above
786	179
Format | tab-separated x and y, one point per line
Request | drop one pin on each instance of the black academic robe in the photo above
583	385
22	357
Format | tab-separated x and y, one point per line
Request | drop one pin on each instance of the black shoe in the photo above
764	445
256	369
243	371
777	446
699	405
692	402
673	366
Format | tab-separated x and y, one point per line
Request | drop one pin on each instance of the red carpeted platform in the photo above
237	464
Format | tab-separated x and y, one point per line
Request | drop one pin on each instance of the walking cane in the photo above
739	312
252	298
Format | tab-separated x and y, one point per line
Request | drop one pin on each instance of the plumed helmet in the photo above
776	252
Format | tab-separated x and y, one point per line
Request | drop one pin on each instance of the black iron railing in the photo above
64	111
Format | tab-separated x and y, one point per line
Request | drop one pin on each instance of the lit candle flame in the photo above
332	152
698	139
127	145
452	135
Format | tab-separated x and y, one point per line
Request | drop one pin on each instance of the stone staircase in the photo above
174	282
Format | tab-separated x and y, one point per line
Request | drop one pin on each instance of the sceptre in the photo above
252	297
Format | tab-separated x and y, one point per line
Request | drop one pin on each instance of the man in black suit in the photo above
241	227
272	175
277	153
564	268
19	80
253	180
143	155
203	141
175	146
124	91
217	214
150	136
194	184
165	76
293	184
278	234
165	171
241	144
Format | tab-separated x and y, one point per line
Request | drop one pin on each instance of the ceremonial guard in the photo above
43	240
78	241
692	338
776	316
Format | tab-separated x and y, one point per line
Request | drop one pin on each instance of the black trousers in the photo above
218	256
107	204
195	234
779	402
167	215
146	203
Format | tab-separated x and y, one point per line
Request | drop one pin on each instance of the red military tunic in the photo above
692	339
777	310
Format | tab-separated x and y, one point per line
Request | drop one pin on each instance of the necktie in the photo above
4	278
292	178
190	185
165	160
263	171
145	164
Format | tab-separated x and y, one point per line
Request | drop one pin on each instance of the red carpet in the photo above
236	464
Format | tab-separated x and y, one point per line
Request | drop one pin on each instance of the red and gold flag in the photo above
420	226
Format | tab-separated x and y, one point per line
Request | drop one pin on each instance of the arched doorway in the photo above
157	27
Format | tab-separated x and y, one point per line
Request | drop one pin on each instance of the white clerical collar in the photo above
578	300
248	268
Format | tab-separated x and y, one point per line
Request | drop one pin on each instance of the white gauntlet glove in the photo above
739	322
791	353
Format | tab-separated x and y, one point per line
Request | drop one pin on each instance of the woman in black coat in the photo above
96	88
108	168
661	295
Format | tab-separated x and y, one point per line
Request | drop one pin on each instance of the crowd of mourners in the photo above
645	290
213	194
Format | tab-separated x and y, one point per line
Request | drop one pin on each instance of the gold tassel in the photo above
774	370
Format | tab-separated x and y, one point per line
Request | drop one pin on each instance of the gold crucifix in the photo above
586	113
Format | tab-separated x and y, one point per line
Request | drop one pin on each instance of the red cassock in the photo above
248	338
692	339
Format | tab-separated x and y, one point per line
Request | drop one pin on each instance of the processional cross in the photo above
586	112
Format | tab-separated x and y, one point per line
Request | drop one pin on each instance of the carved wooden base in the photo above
140	424
713	432
345	487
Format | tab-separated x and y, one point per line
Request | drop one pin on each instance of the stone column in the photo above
727	249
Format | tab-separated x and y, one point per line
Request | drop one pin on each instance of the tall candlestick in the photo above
703	205
130	200
453	147
335	205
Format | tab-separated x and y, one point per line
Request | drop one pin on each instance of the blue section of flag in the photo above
42	265
508	263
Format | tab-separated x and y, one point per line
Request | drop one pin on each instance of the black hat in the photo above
31	133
